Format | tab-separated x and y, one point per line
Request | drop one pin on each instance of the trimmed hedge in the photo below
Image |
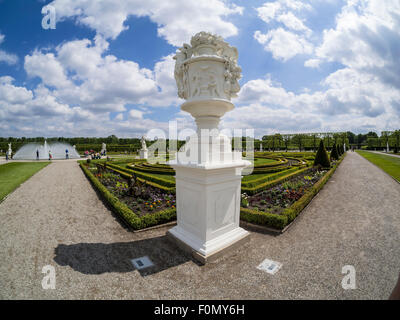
280	221
124	211
160	181
263	218
322	158
269	184
293	211
129	175
255	182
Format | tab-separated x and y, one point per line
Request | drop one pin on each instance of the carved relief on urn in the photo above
207	69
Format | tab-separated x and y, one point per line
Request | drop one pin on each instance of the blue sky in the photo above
107	68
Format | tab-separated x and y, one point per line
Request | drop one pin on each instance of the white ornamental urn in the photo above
208	172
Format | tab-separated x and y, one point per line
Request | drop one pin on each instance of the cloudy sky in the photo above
107	68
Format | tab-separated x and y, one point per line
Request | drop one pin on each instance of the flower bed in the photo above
276	199
281	204
136	219
140	196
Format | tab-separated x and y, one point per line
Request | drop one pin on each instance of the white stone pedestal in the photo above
208	181
208	208
143	154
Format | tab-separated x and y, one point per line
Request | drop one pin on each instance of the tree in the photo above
339	151
334	153
322	158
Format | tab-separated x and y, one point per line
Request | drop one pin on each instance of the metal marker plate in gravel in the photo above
269	266
142	263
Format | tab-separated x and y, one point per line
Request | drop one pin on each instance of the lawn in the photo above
14	173
389	164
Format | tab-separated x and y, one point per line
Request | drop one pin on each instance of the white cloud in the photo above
5	57
176	20
119	117
292	22
283	44
136	114
289	40
366	38
312	63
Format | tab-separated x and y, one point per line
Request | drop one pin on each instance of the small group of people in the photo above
8	156
93	155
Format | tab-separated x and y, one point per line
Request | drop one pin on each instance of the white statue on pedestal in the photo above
143	153
103	149
208	173
9	150
261	148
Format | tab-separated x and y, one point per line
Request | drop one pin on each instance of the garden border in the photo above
289	216
124	212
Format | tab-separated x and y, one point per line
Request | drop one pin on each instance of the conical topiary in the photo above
334	153
341	149
322	158
338	150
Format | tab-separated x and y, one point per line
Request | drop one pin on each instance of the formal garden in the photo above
279	187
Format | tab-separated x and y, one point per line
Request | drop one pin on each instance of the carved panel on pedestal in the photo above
224	207
188	205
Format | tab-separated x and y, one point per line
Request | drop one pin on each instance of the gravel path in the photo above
56	218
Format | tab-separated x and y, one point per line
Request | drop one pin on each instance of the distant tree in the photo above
322	158
351	136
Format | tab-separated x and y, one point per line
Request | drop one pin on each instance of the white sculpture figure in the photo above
143	153
208	173
387	146
261	149
344	147
103	149
9	150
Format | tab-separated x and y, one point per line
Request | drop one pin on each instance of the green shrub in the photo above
269	184
322	158
263	218
88	160
289	214
339	150
334	153
124	211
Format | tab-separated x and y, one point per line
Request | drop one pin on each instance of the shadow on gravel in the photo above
98	258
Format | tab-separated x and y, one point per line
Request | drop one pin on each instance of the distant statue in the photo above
103	149
9	150
143	142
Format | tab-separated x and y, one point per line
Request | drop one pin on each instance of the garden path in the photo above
56	218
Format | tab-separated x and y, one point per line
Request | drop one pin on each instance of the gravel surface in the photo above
56	218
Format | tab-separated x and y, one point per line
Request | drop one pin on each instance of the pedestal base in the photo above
208	208
226	245
143	154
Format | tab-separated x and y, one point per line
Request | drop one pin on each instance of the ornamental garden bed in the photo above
280	197
145	200
139	204
140	197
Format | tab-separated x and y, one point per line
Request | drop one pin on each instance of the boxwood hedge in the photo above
280	221
122	210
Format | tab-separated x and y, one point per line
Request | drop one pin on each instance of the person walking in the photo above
66	154
7	155
50	155
37	154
